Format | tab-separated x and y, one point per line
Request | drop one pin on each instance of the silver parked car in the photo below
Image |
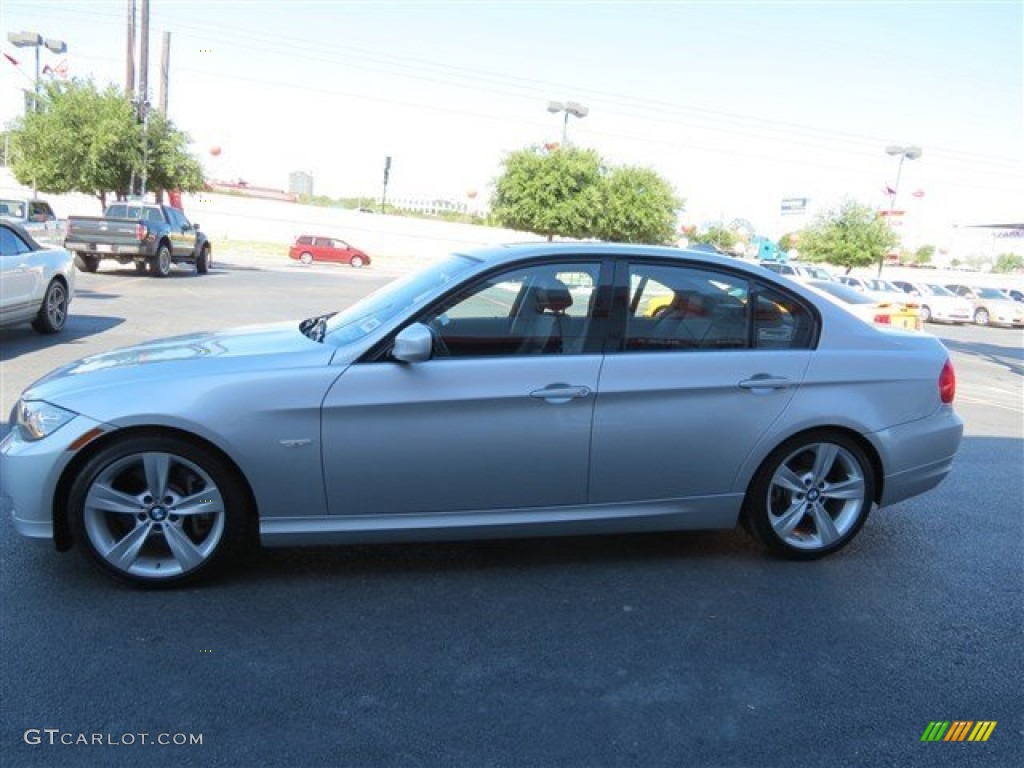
519	391
991	306
938	304
37	282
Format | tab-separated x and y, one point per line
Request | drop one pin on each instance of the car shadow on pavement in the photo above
273	564
22	339
1010	356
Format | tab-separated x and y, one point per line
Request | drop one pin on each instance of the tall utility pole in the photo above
129	60
165	69
144	90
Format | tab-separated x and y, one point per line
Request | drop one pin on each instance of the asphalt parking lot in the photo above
691	649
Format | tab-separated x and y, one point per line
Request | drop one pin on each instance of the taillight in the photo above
141	231
947	383
883	319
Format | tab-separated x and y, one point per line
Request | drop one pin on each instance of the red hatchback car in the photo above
310	248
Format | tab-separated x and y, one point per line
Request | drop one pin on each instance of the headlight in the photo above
36	419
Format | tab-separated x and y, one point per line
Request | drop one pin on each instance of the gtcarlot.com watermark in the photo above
56	737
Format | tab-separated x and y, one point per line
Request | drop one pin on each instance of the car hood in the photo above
168	361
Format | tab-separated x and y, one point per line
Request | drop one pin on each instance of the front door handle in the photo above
560	393
763	382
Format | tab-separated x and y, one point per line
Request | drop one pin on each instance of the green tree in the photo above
86	140
788	241
720	237
636	205
850	235
549	193
170	164
923	255
1008	262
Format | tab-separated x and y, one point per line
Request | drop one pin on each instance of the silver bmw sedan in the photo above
526	390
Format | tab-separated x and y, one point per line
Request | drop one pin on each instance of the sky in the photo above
738	105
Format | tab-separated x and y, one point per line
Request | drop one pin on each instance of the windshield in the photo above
935	290
990	293
397	298
13	208
884	286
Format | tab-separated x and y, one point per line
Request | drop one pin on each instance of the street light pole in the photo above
35	40
569	108
904	153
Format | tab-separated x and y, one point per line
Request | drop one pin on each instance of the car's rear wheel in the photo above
160	262
203	261
811	496
926	313
53	313
306	258
981	316
357	261
158	511
87	262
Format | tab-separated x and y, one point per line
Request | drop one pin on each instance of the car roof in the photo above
511	252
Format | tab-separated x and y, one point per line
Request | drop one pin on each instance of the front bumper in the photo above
29	472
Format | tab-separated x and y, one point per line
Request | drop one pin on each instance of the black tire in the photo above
53	313
925	313
795	524
87	262
118	475
357	261
981	316
160	262
203	261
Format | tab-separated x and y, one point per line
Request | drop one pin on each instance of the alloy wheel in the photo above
154	515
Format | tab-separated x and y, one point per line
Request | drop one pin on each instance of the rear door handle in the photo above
560	393
765	383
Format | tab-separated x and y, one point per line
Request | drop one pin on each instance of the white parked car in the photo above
857	283
938	304
36	282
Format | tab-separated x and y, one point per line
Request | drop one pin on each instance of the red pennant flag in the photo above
918	193
889	190
11	59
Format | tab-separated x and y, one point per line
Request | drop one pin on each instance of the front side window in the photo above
539	310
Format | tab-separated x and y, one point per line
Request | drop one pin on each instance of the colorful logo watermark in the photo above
958	730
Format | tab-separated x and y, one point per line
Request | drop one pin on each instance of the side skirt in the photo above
701	513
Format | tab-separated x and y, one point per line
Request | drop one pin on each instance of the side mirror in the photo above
414	344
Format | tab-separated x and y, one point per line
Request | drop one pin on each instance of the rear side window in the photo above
780	321
11	244
304	240
676	308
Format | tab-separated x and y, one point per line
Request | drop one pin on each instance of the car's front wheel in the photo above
158	511
981	316
811	496
203	261
926	313
53	313
357	261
